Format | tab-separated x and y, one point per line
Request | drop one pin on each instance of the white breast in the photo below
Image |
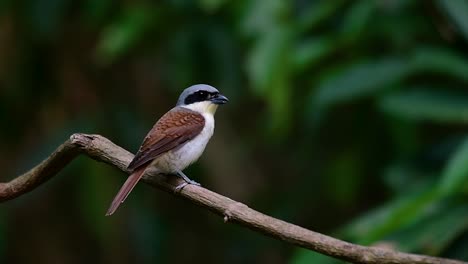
181	158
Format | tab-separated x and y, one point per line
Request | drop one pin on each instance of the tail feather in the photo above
125	190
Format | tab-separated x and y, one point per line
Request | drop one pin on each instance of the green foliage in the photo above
357	19
121	35
317	13
346	117
268	59
457	10
360	80
411	84
446	220
455	176
310	52
392	216
212	5
440	61
426	105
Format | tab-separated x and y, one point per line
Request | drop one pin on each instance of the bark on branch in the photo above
102	149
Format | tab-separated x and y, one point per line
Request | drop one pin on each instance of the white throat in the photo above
205	107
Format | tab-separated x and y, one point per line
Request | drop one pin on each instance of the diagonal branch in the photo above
102	149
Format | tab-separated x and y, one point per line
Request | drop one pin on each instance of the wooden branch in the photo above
102	149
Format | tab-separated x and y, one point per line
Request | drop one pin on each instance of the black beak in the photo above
219	99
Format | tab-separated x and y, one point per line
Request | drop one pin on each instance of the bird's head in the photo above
201	98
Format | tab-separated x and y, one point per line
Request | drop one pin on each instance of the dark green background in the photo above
345	117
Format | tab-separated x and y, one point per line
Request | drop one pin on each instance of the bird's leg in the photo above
186	179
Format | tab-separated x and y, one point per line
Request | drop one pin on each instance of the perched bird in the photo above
177	140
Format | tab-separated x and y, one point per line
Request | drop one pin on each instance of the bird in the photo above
177	139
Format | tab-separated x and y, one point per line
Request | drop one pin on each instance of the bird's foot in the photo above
179	187
193	182
187	180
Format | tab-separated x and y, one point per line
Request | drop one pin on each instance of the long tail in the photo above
127	187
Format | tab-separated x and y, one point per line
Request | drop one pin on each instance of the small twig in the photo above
102	149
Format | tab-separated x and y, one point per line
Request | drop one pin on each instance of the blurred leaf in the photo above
360	80
455	175
426	105
263	16
317	12
304	256
279	96
211	5
310	52
458	12
398	213
441	61
125	32
268	58
356	19
96	11
269	68
401	178
433	233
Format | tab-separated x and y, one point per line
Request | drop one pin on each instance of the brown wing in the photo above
172	130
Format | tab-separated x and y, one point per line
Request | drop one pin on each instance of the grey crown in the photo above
192	89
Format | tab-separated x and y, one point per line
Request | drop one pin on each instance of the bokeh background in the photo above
345	117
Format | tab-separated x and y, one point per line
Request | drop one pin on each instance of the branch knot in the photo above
232	209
